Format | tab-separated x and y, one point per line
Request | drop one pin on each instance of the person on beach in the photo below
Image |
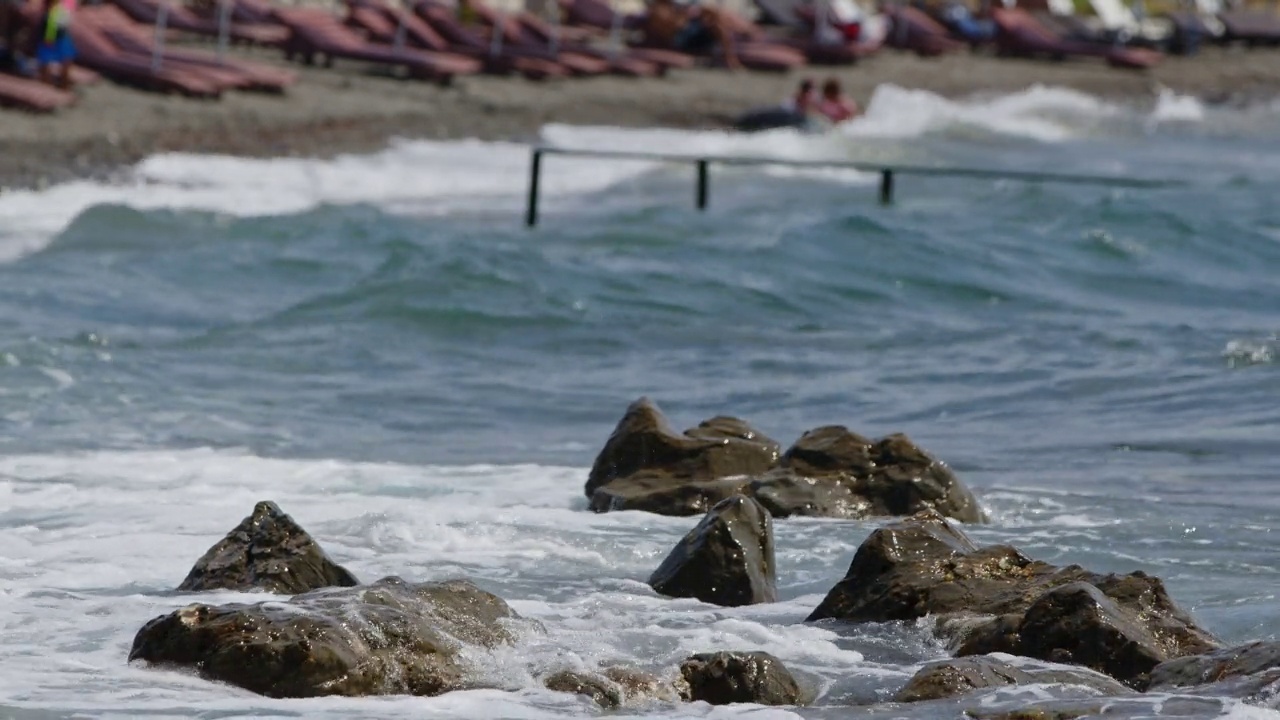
835	105
692	29
55	46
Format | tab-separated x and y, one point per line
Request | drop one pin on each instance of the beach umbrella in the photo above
224	28
157	47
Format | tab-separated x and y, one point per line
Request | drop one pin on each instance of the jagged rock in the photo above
603	691
1249	672
740	677
613	687
948	678
829	472
266	551
644	443
727	559
391	637
924	566
1248	659
891	476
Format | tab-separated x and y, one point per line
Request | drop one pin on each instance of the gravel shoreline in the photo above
346	109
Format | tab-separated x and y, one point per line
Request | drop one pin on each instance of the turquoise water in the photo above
378	344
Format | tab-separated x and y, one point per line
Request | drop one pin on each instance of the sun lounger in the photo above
182	18
1251	27
317	33
139	39
912	29
32	95
96	51
533	63
1018	33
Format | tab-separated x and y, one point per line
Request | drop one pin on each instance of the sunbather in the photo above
692	29
802	103
55	46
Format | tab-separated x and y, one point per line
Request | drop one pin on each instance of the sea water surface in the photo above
377	344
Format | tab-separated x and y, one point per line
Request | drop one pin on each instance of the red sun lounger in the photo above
32	95
317	33
181	18
132	37
96	51
1018	33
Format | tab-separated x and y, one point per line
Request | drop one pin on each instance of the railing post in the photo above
886	186
157	48
535	173
224	29
704	180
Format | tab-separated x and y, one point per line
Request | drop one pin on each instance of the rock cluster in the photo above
995	599
829	472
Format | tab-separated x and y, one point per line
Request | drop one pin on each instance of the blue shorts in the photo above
61	51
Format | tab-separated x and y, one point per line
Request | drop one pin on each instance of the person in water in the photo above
55	46
834	104
691	29
802	102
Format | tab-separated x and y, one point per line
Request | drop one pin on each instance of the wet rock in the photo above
614	686
727	559
891	476
949	678
1076	623
1249	659
603	691
659	494
640	685
391	637
266	551
1119	624
740	677
1246	672
828	472
645	443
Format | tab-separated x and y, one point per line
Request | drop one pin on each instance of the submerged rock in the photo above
722	678
613	687
266	551
391	637
1248	672
603	691
644	443
727	559
949	678
828	472
995	599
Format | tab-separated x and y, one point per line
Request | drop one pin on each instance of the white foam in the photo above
1038	113
1172	107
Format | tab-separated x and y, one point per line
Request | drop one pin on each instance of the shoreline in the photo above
346	110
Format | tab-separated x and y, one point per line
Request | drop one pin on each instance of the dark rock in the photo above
1250	659
603	691
645	443
948	678
660	494
740	677
1076	623
613	687
1247	672
924	566
726	560
829	472
892	476
266	551
391	637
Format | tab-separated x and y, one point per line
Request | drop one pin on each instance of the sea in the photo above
379	345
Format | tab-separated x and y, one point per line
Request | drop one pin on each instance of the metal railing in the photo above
887	172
